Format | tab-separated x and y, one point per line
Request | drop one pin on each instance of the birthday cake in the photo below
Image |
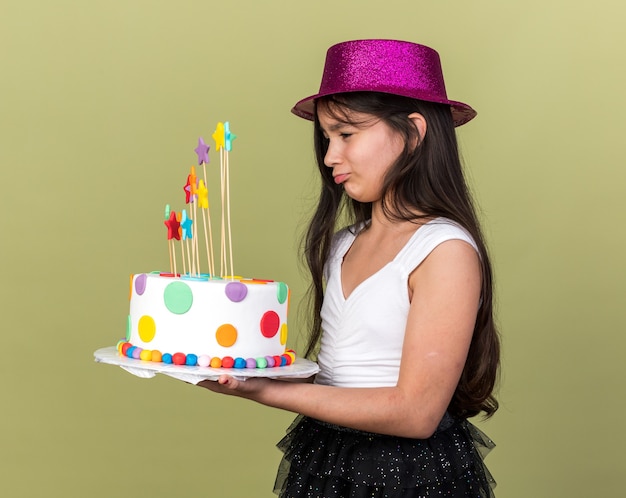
201	318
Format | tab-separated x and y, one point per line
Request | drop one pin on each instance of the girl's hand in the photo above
250	388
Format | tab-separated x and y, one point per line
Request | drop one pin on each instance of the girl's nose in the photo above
331	159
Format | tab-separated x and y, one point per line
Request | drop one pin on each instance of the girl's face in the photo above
360	154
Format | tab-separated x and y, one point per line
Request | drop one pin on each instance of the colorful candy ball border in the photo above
191	360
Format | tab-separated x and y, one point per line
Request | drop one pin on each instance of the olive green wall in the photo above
101	105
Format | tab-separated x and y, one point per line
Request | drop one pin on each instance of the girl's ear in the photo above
420	125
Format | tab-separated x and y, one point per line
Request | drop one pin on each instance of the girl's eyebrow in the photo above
339	125
336	126
333	127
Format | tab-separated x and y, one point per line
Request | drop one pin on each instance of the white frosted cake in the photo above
240	323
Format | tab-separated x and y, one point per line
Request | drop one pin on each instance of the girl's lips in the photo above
340	178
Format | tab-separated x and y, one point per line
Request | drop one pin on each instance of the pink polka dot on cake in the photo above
236	291
270	321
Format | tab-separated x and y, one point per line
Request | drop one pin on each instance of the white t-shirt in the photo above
361	343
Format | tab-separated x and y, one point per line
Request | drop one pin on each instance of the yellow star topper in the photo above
203	195
219	136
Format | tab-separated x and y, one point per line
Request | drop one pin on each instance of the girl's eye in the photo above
345	135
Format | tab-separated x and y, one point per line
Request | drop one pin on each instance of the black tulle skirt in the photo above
327	461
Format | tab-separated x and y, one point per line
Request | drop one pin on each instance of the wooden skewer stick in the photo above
230	238
208	231
222	234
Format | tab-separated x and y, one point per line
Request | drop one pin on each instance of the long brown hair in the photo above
428	179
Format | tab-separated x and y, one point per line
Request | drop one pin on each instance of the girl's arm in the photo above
445	292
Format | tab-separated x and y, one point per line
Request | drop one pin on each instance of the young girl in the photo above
401	297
